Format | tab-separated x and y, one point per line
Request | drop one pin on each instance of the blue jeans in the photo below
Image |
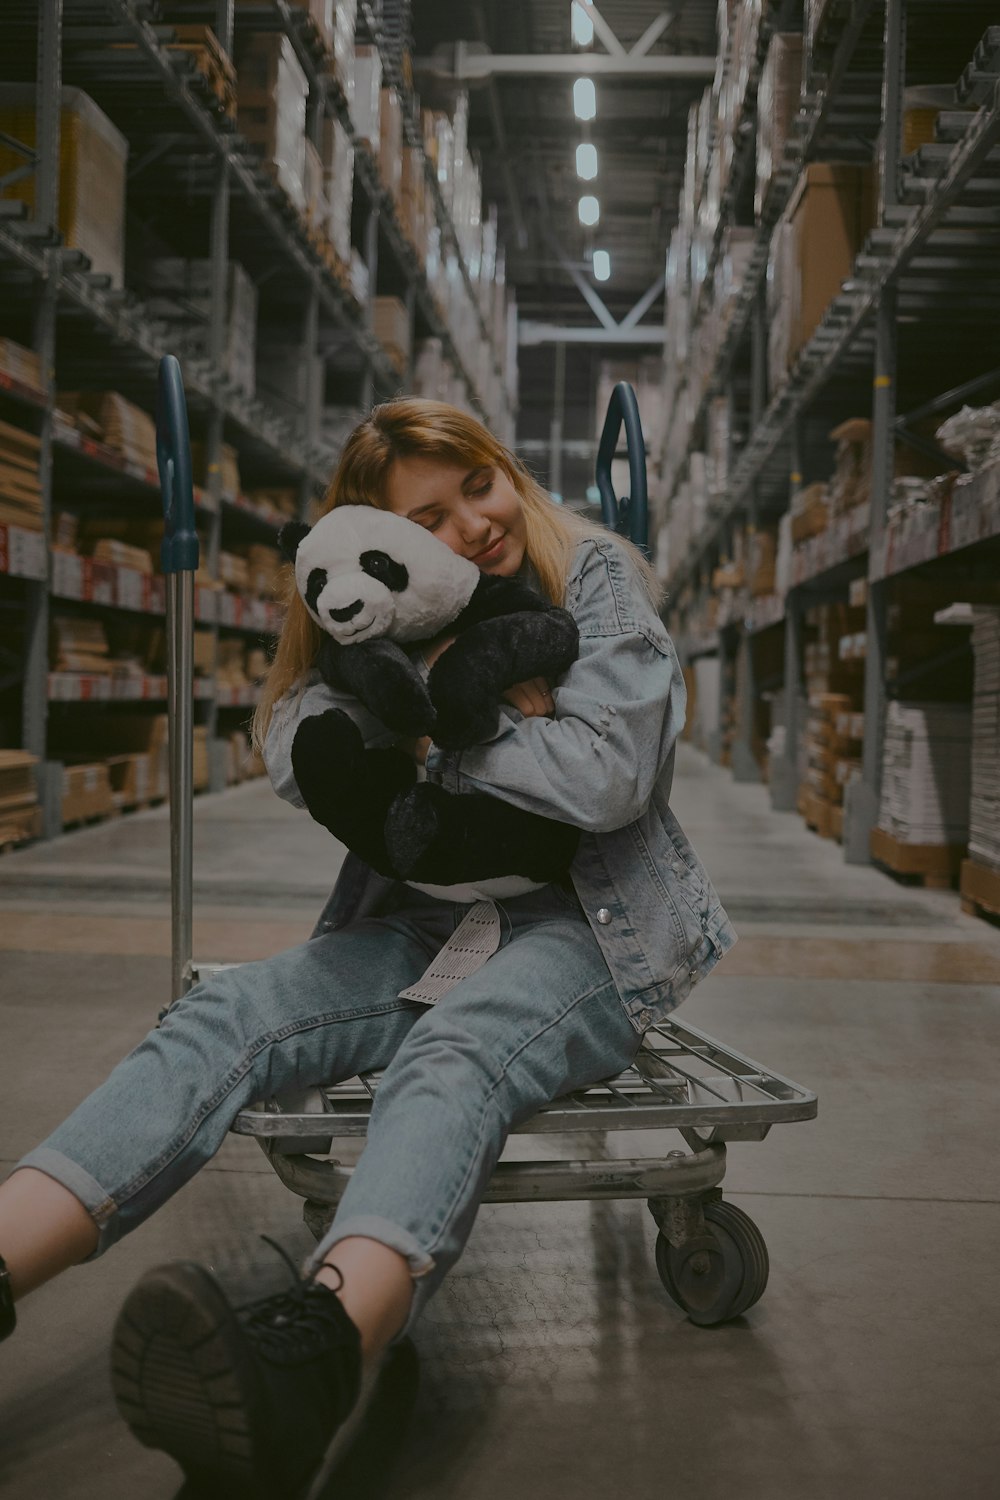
540	1018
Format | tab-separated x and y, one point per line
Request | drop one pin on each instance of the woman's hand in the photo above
418	748
533	698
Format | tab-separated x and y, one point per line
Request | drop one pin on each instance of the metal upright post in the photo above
411	327
217	327
315	392
861	801
371	260
784	775
36	656
556	426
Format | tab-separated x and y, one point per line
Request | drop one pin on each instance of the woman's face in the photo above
476	512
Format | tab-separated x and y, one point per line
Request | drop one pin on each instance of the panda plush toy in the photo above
374	582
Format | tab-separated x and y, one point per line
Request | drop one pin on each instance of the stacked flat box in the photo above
182	294
344	25
338	185
390	141
92	161
391	326
926	773
984	816
272	108
366	113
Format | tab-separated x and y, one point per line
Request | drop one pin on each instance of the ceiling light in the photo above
581	25
602	265
586	161
589	209
584	99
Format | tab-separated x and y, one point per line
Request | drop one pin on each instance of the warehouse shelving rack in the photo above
101	335
938	225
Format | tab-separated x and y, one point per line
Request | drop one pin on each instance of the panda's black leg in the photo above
347	788
439	837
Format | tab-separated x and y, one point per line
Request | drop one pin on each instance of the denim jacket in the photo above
604	763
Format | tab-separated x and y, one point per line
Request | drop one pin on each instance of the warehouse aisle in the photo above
553	1361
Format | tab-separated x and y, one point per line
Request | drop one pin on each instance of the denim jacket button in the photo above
604	916
645	1017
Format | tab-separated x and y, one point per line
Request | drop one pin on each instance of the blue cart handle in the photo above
630	517
179	548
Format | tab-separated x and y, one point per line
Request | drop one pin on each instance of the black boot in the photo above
247	1401
8	1317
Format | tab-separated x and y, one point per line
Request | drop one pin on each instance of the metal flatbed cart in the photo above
710	1255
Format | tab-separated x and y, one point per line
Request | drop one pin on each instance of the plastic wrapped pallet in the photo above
273	91
926	773
984	813
367	96
181	293
345	21
93	156
338	185
390	141
777	105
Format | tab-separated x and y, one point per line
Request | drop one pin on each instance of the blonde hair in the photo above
411	428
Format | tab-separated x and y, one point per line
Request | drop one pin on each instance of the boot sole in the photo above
184	1382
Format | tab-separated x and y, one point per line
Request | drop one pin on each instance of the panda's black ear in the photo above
289	537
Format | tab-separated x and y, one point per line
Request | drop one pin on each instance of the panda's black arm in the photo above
383	677
467	680
498	596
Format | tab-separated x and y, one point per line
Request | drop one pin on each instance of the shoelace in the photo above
291	1326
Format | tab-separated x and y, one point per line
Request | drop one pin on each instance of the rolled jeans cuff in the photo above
101	1207
374	1227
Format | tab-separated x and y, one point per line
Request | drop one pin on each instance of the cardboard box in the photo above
390	141
273	91
86	792
391	326
93	156
825	224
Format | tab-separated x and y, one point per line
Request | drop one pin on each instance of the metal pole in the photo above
179	558
34	702
784	777
371	260
862	798
556	427
217	326
861	801
180	710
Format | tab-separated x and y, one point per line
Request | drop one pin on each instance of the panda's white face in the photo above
365	573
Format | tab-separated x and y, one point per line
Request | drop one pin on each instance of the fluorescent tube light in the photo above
586	161
584	99
589	209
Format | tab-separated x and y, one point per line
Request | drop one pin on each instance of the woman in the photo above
582	967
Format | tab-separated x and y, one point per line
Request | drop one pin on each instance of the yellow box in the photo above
93	156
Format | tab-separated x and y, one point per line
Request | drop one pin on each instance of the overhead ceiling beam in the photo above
602	29
552	333
652	33
644	303
465	63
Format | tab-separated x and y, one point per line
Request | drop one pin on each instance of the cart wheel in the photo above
719	1275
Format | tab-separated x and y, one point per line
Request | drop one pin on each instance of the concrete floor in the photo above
553	1362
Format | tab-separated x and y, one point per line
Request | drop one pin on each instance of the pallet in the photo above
934	866
17	825
980	889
